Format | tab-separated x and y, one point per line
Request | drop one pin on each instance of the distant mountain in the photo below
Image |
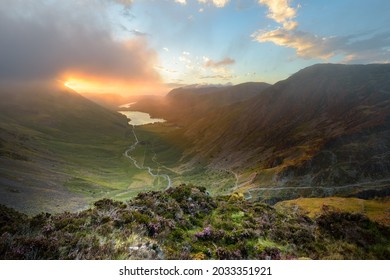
112	101
55	147
108	100
186	104
325	126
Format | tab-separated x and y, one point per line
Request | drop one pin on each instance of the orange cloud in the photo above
73	41
223	62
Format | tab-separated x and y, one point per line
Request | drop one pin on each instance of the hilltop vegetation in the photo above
186	223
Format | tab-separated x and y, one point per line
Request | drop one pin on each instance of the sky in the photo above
133	47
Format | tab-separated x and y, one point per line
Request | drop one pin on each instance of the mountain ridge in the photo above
183	105
273	138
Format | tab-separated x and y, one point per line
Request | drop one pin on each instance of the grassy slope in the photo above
377	210
60	151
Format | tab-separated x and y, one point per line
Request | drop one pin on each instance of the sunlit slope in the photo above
58	150
377	210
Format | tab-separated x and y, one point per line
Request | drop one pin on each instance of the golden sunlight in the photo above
88	85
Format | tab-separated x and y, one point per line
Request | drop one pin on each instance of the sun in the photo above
71	85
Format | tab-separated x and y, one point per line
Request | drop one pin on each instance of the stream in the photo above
139	118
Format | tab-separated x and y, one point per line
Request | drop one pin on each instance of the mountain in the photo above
113	101
186	104
325	126
58	150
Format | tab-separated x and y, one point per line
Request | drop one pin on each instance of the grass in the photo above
166	142
98	169
79	155
377	210
164	139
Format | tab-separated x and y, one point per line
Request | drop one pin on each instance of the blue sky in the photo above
149	44
186	35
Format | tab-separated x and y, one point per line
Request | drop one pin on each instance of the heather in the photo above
187	223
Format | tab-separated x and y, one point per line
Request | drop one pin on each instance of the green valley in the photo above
60	151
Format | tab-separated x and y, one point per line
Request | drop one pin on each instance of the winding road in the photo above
236	177
150	170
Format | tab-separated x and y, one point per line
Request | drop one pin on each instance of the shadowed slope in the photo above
58	149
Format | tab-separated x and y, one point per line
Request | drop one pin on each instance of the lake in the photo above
139	118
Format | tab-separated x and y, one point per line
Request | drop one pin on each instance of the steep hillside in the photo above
325	127
58	150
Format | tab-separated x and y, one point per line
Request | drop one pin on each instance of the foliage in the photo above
187	223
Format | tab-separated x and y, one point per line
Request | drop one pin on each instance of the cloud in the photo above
42	39
217	69
125	3
215	64
357	48
306	44
159	67
281	12
216	3
222	77
136	32
185	58
183	2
